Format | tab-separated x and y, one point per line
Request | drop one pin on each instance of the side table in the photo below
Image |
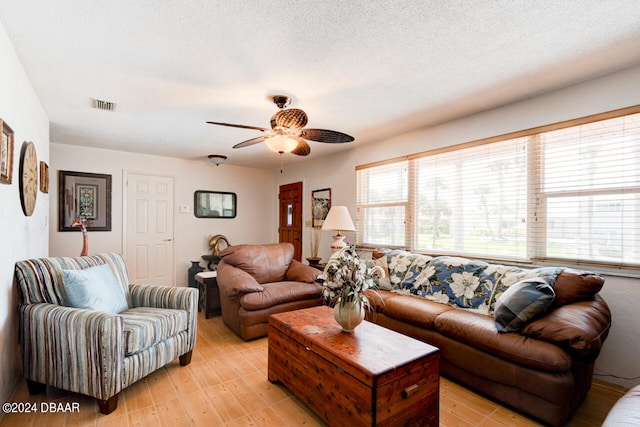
209	294
319	266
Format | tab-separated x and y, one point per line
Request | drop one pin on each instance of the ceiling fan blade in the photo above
323	135
290	119
249	142
302	149
240	126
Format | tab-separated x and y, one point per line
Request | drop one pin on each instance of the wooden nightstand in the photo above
209	293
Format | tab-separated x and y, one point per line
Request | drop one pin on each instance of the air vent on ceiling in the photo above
103	105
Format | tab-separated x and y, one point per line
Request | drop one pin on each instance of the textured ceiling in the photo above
366	68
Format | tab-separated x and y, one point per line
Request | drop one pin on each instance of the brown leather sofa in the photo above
258	280
543	370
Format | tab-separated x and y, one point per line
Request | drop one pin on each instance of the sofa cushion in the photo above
574	285
377	298
479	331
521	303
278	293
94	288
298	272
413	310
145	326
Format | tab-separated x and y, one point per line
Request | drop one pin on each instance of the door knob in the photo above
167	240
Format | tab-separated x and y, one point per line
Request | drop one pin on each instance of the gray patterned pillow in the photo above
522	302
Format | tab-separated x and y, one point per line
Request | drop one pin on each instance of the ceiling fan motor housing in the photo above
289	119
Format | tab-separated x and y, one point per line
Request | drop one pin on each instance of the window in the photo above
569	191
383	203
473	201
590	192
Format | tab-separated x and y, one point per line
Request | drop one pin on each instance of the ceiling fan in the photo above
288	132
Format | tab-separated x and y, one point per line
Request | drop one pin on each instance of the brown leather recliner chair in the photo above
258	280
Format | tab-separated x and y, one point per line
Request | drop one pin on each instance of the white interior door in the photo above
149	228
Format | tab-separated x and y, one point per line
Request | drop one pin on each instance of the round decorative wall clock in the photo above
28	178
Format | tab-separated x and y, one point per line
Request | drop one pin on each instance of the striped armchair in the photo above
93	352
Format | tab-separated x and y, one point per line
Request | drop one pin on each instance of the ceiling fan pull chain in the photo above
281	161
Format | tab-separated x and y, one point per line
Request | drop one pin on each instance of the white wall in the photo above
618	360
21	237
255	221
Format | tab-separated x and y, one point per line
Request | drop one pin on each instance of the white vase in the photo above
348	315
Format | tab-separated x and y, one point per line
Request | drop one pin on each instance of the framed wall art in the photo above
6	153
84	195
320	205
44	177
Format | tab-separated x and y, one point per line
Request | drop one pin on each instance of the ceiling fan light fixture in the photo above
281	144
217	159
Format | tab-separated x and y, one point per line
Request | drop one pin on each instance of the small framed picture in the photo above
320	205
44	177
6	153
86	196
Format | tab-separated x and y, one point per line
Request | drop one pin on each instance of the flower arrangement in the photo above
346	277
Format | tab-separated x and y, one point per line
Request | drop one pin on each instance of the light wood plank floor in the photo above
226	385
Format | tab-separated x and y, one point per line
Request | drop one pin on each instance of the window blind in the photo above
473	201
590	192
381	205
567	191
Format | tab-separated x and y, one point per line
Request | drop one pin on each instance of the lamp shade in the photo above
338	219
281	144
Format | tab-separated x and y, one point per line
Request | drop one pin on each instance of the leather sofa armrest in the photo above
579	327
234	282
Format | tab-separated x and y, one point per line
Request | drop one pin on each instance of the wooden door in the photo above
290	222
149	229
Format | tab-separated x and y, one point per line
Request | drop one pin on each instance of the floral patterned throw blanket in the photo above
460	282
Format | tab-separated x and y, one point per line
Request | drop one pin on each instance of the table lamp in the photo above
338	219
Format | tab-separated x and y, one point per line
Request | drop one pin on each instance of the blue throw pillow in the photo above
521	303
94	288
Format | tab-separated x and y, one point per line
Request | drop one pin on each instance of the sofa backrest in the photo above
40	280
265	263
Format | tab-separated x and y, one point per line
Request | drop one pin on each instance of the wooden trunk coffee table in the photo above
374	376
